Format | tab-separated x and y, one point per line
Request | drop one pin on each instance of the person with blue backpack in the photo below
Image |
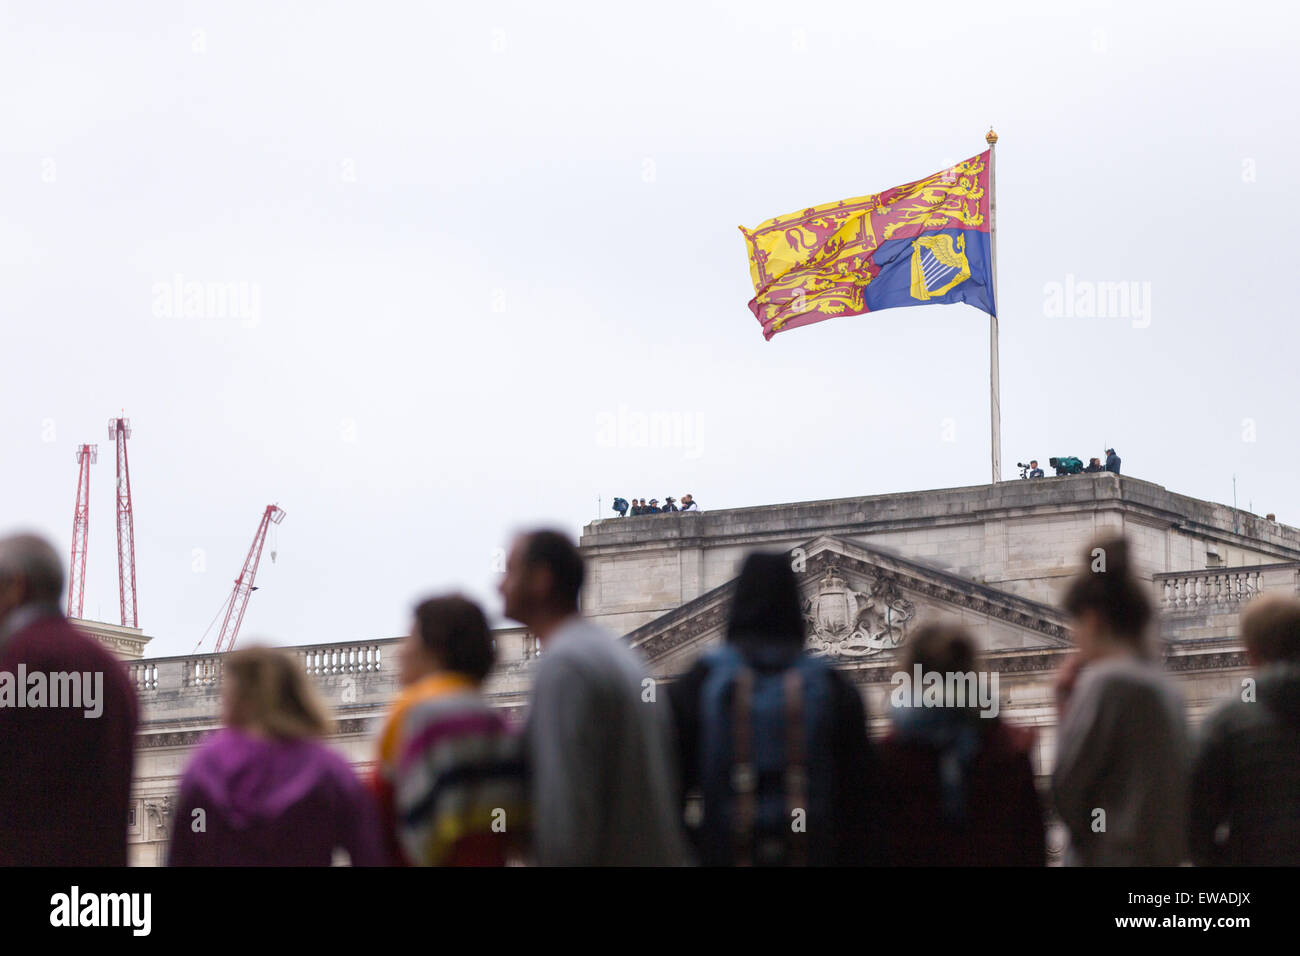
772	742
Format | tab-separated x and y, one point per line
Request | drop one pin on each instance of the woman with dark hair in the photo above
265	791
772	742
960	786
449	774
1120	783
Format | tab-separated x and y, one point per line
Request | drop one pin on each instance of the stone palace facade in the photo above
995	557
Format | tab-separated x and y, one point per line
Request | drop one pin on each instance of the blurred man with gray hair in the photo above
67	723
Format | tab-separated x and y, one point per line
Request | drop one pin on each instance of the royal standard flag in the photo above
919	244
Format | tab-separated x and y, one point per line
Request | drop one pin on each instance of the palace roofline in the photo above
949	506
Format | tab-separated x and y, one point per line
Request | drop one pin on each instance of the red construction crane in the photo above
119	430
87	455
244	583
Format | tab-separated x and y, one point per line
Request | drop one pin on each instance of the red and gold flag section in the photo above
924	243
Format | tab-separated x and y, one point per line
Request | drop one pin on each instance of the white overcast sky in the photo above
481	234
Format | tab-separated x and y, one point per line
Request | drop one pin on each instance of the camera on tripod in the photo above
1024	469
1067	466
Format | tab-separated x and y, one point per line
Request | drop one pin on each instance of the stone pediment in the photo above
859	604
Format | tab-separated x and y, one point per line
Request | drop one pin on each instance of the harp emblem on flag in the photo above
938	265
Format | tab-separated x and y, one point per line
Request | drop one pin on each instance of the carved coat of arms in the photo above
843	622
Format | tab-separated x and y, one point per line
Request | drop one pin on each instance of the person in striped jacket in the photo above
450	771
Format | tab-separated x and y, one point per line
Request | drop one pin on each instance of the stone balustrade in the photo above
157	676
202	671
1213	587
360	674
1223	589
144	676
369	657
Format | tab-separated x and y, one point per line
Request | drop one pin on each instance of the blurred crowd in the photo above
757	755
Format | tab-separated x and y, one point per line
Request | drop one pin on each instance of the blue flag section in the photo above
934	268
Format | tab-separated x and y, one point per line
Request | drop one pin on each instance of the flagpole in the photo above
995	403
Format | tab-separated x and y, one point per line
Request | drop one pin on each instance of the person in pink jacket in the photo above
265	791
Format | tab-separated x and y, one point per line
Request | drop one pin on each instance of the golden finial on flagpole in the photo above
991	137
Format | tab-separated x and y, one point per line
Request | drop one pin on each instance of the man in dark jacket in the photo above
1112	461
1246	774
767	630
65	761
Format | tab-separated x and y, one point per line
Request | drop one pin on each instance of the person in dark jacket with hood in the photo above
265	791
765	636
960	779
1112	461
1245	790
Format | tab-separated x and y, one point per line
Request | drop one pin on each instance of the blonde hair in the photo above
267	691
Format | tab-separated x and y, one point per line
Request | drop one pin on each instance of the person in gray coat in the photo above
599	740
1122	753
1245	789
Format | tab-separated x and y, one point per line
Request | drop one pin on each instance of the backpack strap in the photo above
744	777
796	769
